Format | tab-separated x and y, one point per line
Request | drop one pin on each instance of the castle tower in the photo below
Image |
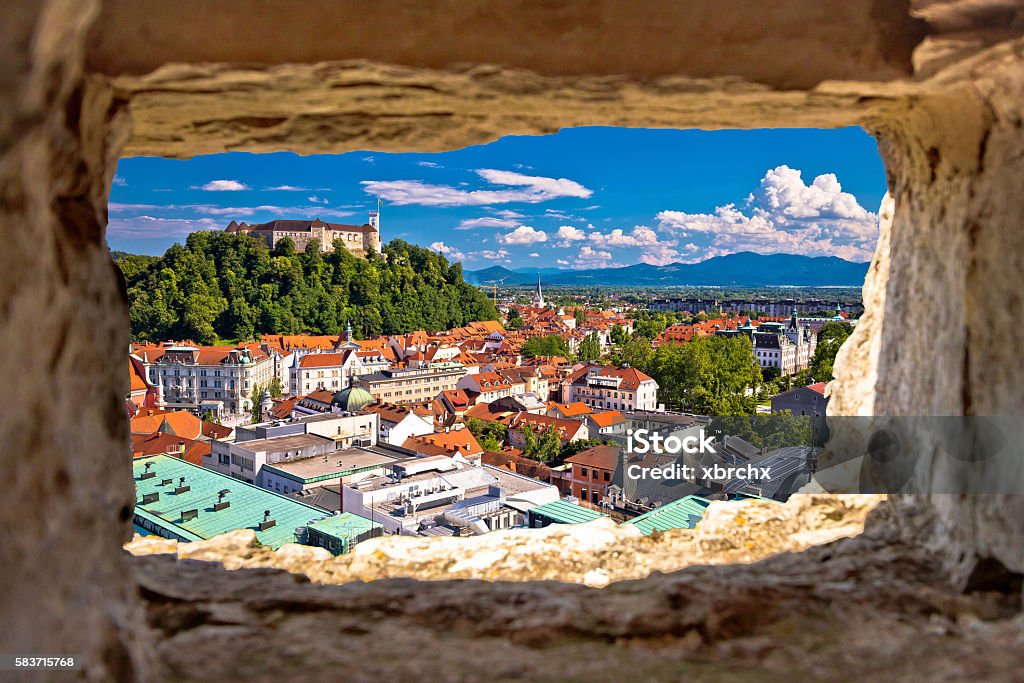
372	241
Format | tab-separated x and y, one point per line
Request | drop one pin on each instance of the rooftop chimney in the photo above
267	521
182	488
221	504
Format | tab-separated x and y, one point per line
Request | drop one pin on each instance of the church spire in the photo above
538	298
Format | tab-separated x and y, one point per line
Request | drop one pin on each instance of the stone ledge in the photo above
593	554
868	606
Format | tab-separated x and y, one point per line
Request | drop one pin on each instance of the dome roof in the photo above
352	398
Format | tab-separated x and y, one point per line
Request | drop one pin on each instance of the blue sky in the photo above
584	197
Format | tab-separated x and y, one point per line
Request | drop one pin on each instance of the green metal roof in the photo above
245	512
684	513
346	525
353	398
562	512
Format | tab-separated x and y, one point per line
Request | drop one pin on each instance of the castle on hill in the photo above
360	240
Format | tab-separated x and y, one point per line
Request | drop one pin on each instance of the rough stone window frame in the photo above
939	84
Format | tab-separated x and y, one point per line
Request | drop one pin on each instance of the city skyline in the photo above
582	198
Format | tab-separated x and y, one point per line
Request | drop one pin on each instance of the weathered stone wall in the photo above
944	97
953	301
67	497
397	75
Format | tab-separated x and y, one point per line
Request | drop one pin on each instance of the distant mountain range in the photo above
743	269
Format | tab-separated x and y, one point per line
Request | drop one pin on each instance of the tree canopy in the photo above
222	285
830	338
766	431
589	349
551	345
708	375
490	435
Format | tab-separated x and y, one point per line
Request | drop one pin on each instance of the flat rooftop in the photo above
466	478
284	443
337	463
378	483
344	525
514	483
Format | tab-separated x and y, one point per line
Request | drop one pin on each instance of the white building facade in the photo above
215	378
605	387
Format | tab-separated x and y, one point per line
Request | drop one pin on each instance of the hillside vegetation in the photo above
230	286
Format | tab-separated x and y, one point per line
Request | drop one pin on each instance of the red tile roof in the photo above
514	462
631	377
607	418
179	422
323	360
456	439
390	411
490	381
572	409
139	382
567	428
818	387
283	408
153	444
484	411
212	430
457	398
601	457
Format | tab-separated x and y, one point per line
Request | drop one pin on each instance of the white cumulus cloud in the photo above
449	251
224	186
569	233
640	236
589	257
524	188
501	255
784	215
524	234
486	222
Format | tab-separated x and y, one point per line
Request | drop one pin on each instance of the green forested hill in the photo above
230	286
